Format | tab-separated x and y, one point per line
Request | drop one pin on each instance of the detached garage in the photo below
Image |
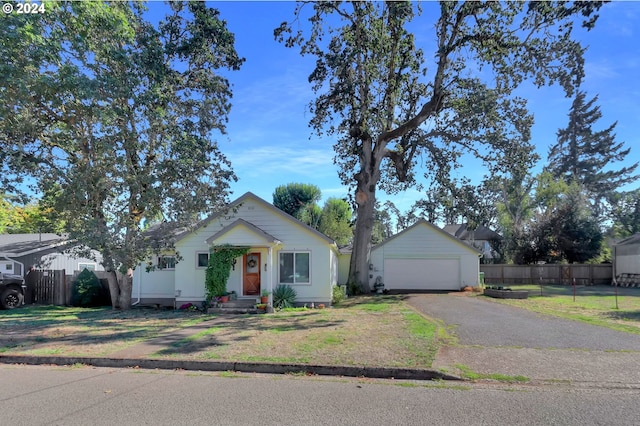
424	257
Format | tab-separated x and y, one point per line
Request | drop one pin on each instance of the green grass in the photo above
468	373
364	330
593	304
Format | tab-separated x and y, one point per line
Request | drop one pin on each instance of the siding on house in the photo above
44	256
343	267
431	248
627	255
291	236
69	263
158	288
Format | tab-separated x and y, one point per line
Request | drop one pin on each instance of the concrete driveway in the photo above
495	338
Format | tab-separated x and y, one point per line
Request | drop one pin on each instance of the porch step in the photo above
239	303
235	311
237	307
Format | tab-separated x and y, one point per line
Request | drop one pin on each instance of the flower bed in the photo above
506	293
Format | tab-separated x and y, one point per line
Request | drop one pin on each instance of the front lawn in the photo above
593	304
368	330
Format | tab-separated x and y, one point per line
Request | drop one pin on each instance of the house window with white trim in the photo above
295	267
202	259
167	262
89	266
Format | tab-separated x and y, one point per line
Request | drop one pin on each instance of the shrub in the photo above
338	294
353	288
219	269
284	297
87	290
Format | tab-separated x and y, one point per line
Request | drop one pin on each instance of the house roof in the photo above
17	245
251	196
462	232
241	222
423	222
634	239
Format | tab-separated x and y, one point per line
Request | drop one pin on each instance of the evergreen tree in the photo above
585	155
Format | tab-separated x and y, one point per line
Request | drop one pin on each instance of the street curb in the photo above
242	367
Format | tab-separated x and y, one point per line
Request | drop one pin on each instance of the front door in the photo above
251	279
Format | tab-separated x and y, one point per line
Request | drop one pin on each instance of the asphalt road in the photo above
481	322
45	395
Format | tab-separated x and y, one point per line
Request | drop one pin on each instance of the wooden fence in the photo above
548	274
54	287
46	287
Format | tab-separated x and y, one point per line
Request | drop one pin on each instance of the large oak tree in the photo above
116	117
390	105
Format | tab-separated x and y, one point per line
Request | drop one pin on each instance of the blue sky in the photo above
269	142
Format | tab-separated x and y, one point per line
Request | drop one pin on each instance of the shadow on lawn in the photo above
33	327
243	328
624	315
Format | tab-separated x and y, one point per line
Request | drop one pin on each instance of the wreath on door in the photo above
251	263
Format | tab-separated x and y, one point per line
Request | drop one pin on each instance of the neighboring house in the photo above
481	238
424	257
626	255
19	252
283	250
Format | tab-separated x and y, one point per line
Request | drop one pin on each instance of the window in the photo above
167	262
202	259
294	268
89	266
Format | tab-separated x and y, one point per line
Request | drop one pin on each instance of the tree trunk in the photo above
120	287
114	289
125	282
359	264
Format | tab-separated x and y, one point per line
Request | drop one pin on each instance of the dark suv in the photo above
12	290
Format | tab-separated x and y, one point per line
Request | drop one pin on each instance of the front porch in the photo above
238	307
254	273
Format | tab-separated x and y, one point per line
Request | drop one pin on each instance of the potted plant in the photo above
264	297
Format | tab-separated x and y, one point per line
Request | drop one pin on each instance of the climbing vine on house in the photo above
219	268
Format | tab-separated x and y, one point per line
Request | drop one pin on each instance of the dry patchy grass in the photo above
370	331
593	304
55	330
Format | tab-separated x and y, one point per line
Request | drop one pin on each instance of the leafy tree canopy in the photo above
389	105
116	116
626	213
335	221
295	198
563	227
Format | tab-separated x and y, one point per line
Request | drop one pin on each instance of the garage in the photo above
410	274
423	257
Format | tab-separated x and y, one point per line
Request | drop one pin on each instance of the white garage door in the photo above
422	274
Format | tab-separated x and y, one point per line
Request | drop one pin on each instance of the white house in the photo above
481	238
424	257
283	250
